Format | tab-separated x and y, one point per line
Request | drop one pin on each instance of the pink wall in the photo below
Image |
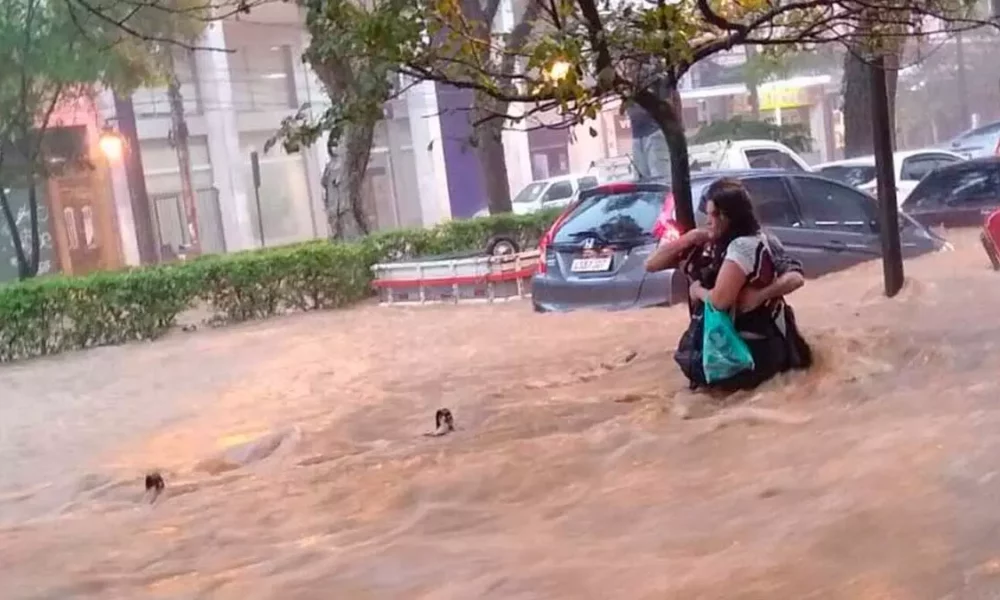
81	110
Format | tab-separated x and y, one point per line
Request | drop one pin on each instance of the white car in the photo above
553	192
745	154
911	166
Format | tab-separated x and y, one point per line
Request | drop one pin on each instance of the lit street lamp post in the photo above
111	145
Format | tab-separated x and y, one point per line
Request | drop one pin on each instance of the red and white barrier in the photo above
478	279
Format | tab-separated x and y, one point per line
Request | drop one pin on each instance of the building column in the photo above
821	126
428	154
223	139
123	210
517	152
308	91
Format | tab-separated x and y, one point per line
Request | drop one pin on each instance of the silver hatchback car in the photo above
979	142
594	256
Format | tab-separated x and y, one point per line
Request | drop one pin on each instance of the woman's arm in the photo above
668	255
782	286
728	286
786	284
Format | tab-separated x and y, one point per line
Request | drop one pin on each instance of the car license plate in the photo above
591	265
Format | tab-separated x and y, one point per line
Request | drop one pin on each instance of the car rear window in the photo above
853	175
614	216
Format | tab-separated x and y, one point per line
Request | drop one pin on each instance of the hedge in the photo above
55	314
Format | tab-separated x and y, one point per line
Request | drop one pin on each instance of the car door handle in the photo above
838	246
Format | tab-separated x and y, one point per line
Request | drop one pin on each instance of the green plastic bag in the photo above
724	353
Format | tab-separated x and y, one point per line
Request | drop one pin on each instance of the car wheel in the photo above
537	307
502	246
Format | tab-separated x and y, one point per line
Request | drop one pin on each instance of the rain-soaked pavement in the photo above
297	467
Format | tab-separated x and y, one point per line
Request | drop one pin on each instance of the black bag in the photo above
799	353
688	355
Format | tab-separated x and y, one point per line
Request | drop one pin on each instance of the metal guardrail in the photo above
484	279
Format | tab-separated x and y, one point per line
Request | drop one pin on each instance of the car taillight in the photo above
666	227
543	249
543	244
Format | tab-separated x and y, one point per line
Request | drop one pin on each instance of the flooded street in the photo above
297	468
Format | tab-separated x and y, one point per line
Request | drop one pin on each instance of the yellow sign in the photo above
773	97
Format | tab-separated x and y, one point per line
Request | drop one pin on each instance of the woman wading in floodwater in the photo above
743	272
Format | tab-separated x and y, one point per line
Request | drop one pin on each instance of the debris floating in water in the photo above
154	485
444	423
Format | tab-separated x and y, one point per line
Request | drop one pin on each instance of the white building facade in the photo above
234	100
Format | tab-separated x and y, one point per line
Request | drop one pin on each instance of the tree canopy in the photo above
582	55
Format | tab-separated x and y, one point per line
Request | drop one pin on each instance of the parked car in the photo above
910	165
744	154
594	255
979	142
959	195
551	193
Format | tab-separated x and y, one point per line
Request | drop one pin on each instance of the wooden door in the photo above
78	217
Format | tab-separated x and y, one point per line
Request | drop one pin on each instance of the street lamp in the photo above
111	144
559	70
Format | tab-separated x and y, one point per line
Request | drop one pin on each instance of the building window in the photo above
263	78
88	227
159	158
69	220
155	102
549	152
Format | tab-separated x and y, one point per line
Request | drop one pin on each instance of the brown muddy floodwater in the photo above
297	468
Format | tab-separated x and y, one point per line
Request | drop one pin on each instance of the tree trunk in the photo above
493	161
490	151
142	216
36	238
345	177
358	144
668	114
345	183
858	136
15	236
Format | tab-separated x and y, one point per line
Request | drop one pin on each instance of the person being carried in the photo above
745	272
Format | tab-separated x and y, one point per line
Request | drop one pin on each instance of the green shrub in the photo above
61	313
56	314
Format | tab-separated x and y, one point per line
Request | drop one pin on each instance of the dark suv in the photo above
959	195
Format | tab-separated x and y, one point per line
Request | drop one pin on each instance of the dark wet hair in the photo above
732	200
